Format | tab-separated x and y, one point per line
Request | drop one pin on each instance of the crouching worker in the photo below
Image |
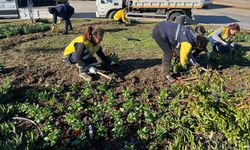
120	16
222	39
170	36
82	49
65	11
202	45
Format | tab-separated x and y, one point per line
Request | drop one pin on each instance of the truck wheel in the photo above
111	14
174	15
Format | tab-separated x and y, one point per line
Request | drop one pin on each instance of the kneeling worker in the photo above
82	49
120	16
222	39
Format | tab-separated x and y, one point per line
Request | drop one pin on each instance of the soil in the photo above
41	69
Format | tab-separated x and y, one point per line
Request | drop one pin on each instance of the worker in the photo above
82	49
120	16
65	11
200	32
222	40
170	36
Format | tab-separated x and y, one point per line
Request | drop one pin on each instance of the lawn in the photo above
45	105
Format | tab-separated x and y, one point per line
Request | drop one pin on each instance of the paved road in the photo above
225	12
221	12
83	9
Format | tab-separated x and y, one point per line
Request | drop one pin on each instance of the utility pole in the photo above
30	8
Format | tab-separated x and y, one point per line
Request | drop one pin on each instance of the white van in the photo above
9	9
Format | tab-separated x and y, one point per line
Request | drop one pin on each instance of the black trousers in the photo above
119	21
67	25
81	57
166	48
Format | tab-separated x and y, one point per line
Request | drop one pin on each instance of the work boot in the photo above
65	33
166	71
85	76
83	73
170	78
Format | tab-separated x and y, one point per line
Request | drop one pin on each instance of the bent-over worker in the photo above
170	36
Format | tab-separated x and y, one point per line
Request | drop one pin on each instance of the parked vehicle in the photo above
168	9
23	3
9	9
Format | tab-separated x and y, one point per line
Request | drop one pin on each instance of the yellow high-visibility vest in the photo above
80	39
225	35
120	15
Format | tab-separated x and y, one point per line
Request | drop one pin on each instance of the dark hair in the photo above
88	34
125	9
200	30
201	42
234	26
52	10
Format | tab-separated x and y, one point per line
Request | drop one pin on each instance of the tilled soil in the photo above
41	70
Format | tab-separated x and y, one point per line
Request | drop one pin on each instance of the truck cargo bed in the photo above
166	4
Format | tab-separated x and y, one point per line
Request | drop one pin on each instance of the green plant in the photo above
119	129
87	91
57	89
53	137
102	131
21	29
75	105
132	117
4	89
143	133
102	87
73	121
126	92
242	38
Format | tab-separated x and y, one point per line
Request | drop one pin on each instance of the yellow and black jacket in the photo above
222	34
92	49
88	45
120	15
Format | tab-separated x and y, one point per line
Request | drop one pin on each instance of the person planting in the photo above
222	39
120	16
170	36
82	49
201	46
65	11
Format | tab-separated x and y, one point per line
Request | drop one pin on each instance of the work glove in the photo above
127	23
170	78
197	65
92	70
53	29
224	44
194	63
112	63
233	44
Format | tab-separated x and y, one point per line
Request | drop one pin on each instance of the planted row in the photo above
198	115
22	29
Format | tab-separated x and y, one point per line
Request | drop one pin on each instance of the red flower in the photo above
78	132
116	108
104	98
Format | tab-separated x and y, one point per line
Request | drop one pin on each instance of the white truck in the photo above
167	9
